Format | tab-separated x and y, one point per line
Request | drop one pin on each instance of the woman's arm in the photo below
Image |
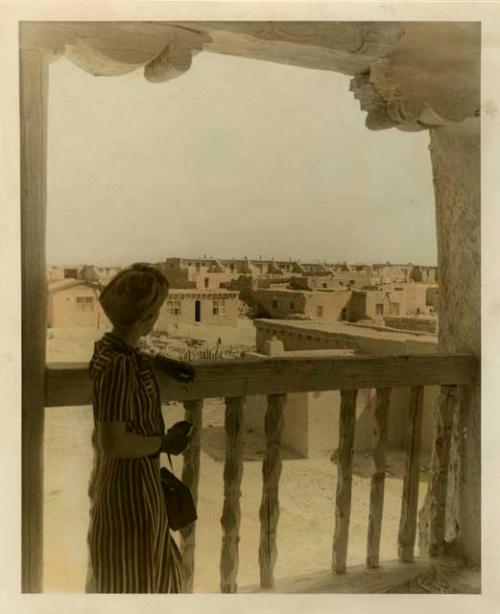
114	440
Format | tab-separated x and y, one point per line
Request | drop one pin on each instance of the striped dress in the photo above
130	546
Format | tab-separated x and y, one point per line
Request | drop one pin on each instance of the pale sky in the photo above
235	158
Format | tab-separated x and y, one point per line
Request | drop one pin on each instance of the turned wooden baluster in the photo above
408	522
190	477
231	513
448	400
344	478
271	471
382	402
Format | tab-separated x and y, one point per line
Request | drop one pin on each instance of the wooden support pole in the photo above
378	478
271	472
344	478
33	114
456	168
231	513
408	521
191	477
448	404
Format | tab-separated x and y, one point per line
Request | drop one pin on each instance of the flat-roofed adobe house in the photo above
284	302
66	271
200	273
74	302
188	306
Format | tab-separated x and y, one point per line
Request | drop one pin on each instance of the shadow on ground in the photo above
213	443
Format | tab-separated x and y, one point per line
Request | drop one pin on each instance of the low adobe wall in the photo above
424	325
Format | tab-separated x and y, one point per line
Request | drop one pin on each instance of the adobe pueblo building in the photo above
311	426
409	76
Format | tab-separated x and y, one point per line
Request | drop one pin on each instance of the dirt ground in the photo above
307	492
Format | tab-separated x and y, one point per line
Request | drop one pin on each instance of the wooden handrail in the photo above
68	384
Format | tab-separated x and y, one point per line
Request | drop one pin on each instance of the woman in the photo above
130	546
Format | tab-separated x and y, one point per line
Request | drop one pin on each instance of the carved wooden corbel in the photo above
176	57
379	94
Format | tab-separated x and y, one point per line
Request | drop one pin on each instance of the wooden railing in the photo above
233	380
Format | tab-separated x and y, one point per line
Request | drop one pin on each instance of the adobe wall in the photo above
311	424
320	410
63	310
188	310
424	325
333	304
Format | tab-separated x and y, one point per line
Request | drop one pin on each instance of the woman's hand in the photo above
176	439
181	371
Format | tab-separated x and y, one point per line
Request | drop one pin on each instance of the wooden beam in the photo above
271	472
438	487
231	513
68	384
378	478
33	101
344	479
191	477
408	521
346	47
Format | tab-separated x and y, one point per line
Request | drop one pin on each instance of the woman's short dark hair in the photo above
134	294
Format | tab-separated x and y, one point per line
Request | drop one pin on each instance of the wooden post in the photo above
344	478
33	114
456	165
191	477
408	522
378	478
448	401
231	513
271	472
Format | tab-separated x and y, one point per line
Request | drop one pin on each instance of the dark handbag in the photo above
181	510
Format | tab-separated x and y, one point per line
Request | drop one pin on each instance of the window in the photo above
219	307
319	311
275	304
85	303
207	282
325	285
292	305
379	309
174	308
